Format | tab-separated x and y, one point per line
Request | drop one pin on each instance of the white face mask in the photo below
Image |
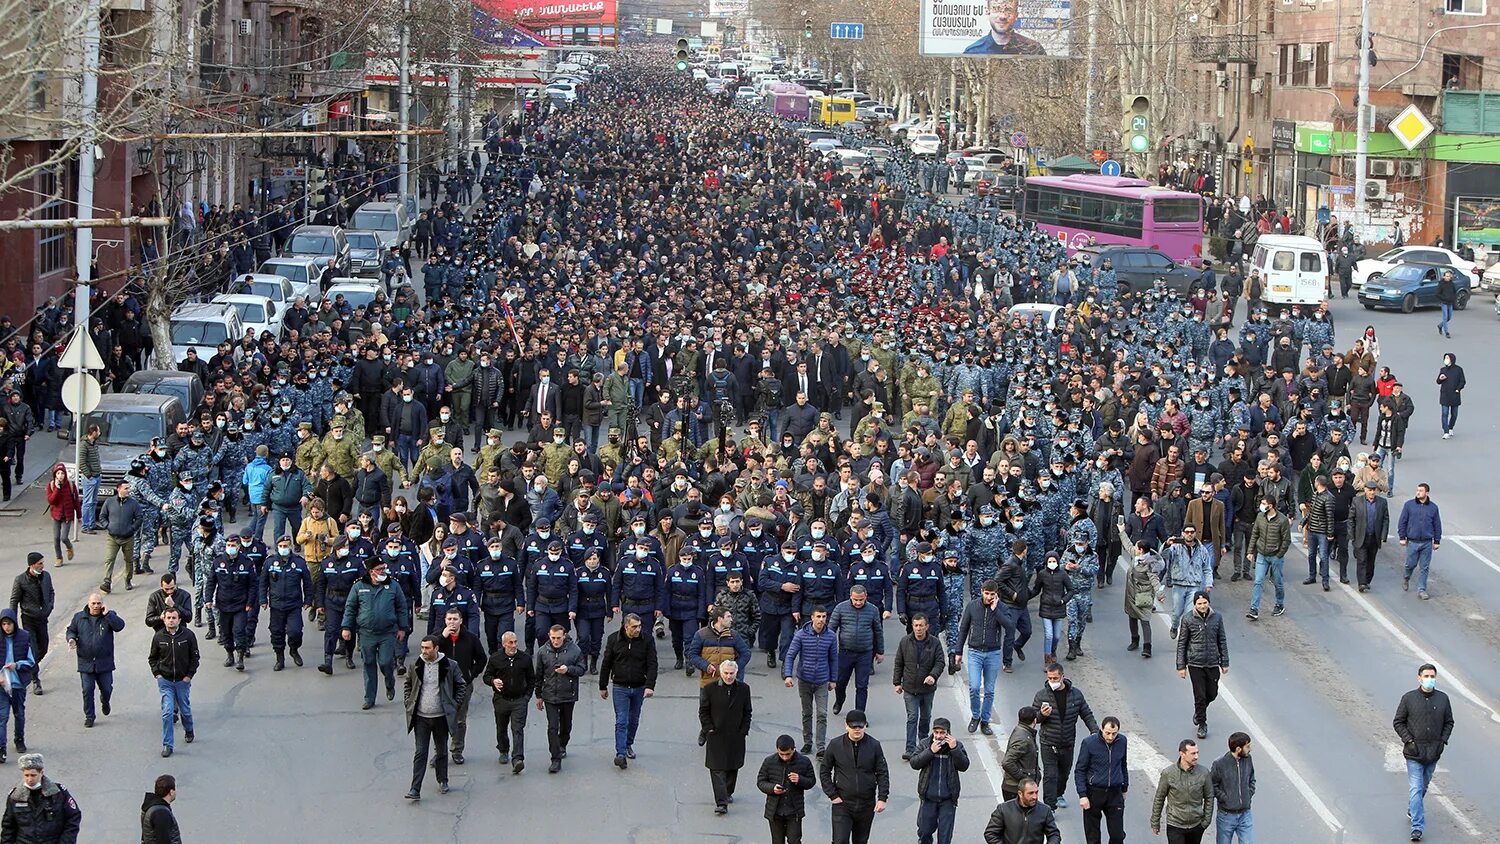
870	558
1055	686
638	530
589	529
553	557
1051	564
381	578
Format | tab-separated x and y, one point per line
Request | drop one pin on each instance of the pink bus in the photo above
1116	210
787	99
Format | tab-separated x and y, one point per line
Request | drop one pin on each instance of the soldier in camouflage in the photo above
1082	568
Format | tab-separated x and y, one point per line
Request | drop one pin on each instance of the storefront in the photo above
1471	179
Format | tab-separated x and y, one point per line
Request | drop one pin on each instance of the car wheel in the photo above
1463	300
1408	303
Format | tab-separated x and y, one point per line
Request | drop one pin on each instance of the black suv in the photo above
1136	267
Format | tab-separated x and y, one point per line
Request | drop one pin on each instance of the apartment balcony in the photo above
344	74
1471	112
1224	49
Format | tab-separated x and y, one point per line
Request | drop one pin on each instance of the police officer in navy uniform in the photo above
687	600
231	589
500	583
587	538
780	585
919	588
640	586
470	544
875	577
593	602
403	563
256	552
453	558
337	576
723	562
822	582
286	590
450	594
549	589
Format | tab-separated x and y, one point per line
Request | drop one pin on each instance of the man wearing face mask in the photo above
640	585
376	613
1060	705
551	589
39	810
1424	723
231	589
339	572
451	591
779	589
501	587
286	589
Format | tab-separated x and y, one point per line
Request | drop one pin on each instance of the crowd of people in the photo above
684	378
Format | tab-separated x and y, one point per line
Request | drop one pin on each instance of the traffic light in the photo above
1135	129
807	30
682	54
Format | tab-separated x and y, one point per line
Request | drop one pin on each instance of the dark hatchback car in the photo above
1136	267
1412	286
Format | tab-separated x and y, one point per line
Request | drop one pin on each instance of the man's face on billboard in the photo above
1001	15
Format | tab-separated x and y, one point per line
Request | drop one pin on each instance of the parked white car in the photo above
257	313
1381	264
925	143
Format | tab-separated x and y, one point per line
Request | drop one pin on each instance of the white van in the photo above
1293	268
203	326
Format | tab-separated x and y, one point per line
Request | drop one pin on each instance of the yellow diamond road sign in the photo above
1411	127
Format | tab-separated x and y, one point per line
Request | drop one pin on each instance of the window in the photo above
1156	261
1284	261
1177	211
1464	7
1303	65
52	253
1312	262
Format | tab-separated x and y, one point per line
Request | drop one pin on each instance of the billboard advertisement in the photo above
728	8
980	28
568	23
1477	220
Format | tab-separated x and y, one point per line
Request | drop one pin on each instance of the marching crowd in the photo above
675	376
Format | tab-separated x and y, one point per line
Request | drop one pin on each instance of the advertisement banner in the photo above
581	23
1477	220
996	28
728	8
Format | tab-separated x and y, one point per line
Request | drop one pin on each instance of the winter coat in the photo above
1201	642
724	712
858	628
1142	586
1052	585
551	686
1424	723
818	652
1192	798
928	764
1012	824
158	826
48	815
1022	759
1234	783
450	688
63	503
95	639
916	661
1101	764
855	772
1060	729
791	803
1450	384
32	596
1271	535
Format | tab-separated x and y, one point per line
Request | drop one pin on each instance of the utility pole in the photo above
1365	114
1089	141
455	123
83	237
403	142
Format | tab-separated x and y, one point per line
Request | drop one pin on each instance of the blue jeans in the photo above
258	522
1419	557
637	395
1052	633
13	703
1450	417
281	519
1418	777
174	701
1447	315
1231	824
1319	549
89	490
1182	601
918	716
104	681
378	652
627	715
984	670
1275	565
1388	462
858	664
406	450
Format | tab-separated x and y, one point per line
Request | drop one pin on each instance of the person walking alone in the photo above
982	628
938	763
1451	385
1447	296
1203	654
433	686
813	658
1143	591
91	636
64	505
1184	798
1060	705
785	777
1424	723
1233	776
1270	539
121	517
1421	531
510	673
559	664
158	824
174	659
724	713
1102	777
918	667
32	599
855	778
630	659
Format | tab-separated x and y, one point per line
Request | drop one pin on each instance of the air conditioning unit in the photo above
1208	133
1304	52
247	25
1382	167
1257	85
1410	169
1375	189
1346	168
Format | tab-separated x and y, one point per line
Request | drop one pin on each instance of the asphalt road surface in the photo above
290	755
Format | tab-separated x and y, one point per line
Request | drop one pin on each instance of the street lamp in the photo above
143	155
170	155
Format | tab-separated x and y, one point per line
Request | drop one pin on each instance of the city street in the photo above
290	755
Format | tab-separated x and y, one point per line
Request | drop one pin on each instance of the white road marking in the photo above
1395	763
981	744
1471	538
1475	554
1265	744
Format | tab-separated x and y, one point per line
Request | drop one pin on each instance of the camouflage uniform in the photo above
434	455
554	459
987	548
387	461
341	454
181	515
233	457
309	452
1080	605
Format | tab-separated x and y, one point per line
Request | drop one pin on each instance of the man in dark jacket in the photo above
463	647
1369	524
1023	820
433	686
559	664
39	810
1060	705
631	659
91	635
783	777
32	600
1102	778
167	596
509	672
375	615
1233	777
861	644
855	778
174	659
982	628
724	713
1020	761
1424	723
918	667
158	825
940	761
1203	653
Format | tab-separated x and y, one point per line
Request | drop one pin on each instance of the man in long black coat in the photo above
724	714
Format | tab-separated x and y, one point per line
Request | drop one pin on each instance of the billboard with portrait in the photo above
569	23
996	28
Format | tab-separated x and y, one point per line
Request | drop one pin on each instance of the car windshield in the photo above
291	272
1392	254
1409	273
269	289
160	388
250	311
381	221
198	333
122	428
364	240
356	297
313	244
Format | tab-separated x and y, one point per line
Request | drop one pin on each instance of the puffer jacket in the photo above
1424	722
1201	642
559	688
1060	729
1272	535
818	652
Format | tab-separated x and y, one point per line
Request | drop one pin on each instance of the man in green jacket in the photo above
1269	540
1185	790
617	397
377	611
